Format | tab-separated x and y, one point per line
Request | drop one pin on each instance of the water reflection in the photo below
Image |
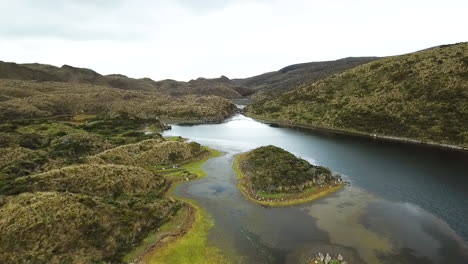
380	219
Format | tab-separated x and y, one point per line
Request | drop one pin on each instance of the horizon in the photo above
181	40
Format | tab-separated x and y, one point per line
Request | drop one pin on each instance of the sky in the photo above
186	39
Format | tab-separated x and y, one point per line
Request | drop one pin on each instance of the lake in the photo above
407	203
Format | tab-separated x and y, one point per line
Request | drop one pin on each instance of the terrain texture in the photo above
420	96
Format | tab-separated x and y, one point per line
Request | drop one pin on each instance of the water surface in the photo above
407	203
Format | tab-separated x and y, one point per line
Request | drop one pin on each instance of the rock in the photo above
320	257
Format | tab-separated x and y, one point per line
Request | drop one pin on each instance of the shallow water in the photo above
407	203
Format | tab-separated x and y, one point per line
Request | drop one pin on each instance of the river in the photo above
407	203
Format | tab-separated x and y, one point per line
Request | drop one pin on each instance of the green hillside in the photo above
85	189
34	99
64	227
421	96
289	77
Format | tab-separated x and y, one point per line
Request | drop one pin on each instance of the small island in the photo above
275	177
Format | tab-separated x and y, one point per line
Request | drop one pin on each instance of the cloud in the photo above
185	39
212	5
72	19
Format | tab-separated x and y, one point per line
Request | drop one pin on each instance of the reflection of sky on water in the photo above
386	224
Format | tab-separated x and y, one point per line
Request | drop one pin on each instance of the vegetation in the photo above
287	78
61	227
84	172
87	189
421	96
192	248
33	99
105	181
272	176
80	76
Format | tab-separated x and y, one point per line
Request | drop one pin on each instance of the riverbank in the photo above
183	240
280	123
279	200
188	122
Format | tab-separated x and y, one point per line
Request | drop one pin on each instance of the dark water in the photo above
407	203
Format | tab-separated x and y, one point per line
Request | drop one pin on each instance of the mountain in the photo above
294	75
420	96
42	72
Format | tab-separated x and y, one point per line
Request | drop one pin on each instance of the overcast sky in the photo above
185	39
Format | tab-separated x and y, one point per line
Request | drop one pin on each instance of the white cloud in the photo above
182	39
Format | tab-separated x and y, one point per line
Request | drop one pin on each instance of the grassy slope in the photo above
289	77
421	96
277	198
112	207
32	99
192	248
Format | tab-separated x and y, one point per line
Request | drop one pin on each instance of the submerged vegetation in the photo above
421	96
272	176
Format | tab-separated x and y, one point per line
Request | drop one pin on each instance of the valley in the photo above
283	167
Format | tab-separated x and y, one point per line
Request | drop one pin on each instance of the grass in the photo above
420	97
80	119
49	99
191	248
191	168
93	211
279	199
171	226
175	138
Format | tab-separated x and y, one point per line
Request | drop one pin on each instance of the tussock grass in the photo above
274	177
421	96
51	227
32	99
106	181
153	152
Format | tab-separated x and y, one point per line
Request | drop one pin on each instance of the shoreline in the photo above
296	199
280	123
195	218
188	122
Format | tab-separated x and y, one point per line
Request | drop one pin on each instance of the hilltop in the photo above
272	176
287	78
42	72
420	96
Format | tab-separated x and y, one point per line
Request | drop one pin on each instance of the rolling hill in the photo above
42	72
289	77
419	96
